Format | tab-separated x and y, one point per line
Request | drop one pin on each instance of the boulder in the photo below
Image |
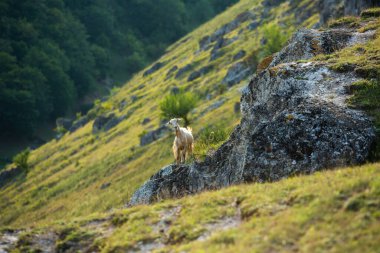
220	43
154	68
198	73
153	135
204	43
236	73
106	122
183	70
239	55
253	25
145	121
8	175
105	186
194	75
307	43
295	120
123	103
171	71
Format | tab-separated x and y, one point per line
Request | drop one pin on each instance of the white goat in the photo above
183	141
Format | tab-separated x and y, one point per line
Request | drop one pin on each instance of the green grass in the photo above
329	211
65	176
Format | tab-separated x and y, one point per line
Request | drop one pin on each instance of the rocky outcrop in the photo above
236	73
308	43
154	68
153	135
7	175
198	73
239	55
106	122
294	120
330	9
182	71
82	121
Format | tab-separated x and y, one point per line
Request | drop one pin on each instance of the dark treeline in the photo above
54	52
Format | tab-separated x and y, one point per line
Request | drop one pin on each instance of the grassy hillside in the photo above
334	211
65	177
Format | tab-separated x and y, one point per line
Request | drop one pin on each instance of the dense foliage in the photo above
53	53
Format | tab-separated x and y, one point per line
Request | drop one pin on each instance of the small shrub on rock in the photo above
178	105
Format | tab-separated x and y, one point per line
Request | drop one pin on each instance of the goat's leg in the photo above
178	156
183	158
189	150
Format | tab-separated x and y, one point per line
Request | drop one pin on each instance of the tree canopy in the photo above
54	52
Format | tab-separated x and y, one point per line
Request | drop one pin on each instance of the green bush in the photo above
275	39
178	105
210	138
21	159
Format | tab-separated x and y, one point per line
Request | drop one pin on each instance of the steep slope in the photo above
335	211
296	115
331	211
98	168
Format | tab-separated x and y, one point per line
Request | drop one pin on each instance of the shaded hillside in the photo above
98	168
56	57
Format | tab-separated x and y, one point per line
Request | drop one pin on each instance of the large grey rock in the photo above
294	120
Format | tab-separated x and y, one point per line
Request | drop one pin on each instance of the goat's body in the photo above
183	144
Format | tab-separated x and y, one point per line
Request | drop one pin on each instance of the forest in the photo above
55	53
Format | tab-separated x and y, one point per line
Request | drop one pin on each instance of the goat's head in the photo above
173	123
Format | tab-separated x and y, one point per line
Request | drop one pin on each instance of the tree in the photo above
178	105
275	39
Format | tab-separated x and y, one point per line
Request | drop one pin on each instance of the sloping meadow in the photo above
97	169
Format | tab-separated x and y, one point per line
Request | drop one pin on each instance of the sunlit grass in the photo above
66	175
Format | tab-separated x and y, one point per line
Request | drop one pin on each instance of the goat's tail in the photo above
190	129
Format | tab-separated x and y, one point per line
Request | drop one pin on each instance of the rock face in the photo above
294	120
337	8
106	122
